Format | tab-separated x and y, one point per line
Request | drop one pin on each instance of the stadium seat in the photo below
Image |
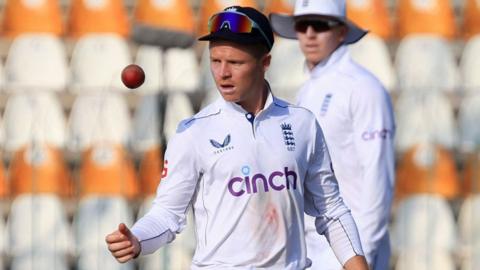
184	77
3	242
471	261
20	17
207	83
38	224
417	117
150	58
176	255
4	191
425	260
101	117
426	63
469	227
97	61
39	260
471	173
107	170
372	15
278	6
96	217
471	18
372	53
97	16
287	58
210	7
425	17
424	222
36	62
39	169
167	23
147	123
151	170
427	168
470	65
178	108
33	117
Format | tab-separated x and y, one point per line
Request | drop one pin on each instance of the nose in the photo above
225	71
310	31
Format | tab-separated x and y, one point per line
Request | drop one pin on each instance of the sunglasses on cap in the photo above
317	25
235	22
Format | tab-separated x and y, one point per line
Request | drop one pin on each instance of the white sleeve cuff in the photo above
343	237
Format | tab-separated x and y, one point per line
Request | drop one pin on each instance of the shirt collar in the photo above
338	55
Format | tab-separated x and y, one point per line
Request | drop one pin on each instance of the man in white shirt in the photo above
249	165
355	113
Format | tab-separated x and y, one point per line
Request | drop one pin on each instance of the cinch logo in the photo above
377	134
277	180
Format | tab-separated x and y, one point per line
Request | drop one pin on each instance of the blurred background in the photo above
81	153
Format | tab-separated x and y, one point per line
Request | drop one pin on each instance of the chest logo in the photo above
288	136
325	103
222	147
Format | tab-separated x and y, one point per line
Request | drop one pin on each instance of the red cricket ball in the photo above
133	76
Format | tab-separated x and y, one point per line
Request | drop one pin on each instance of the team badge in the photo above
288	136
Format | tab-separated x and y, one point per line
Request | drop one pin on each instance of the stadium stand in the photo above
20	17
279	6
471	18
150	58
98	16
470	65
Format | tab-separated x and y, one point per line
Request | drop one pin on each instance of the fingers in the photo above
122	244
123	229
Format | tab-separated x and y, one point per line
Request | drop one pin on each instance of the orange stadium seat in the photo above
100	16
168	23
151	168
39	169
372	15
4	189
210	7
425	16
106	170
278	6
471	174
32	16
471	18
427	169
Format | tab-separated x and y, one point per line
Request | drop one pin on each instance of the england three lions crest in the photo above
288	137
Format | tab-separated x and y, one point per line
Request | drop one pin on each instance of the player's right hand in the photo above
123	245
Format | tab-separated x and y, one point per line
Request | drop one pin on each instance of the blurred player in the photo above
355	113
249	164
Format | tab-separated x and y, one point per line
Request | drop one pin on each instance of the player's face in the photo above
317	39
238	74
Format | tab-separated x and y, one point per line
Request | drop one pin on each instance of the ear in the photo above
267	58
342	33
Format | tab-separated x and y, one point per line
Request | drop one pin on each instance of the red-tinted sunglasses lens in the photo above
318	26
235	22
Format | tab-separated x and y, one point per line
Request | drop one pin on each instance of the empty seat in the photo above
425	17
424	118
425	260
38	224
3	242
151	170
96	118
210	7
207	83
287	58
107	170
166	24
150	58
39	168
96	217
39	260
177	254
33	117
97	62
372	53
148	123
22	17
427	168
469	232
279	6
470	65
97	16
178	108
426	63
184	77
424	222
372	15
471	18
36	62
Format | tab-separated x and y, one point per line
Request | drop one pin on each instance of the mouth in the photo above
227	88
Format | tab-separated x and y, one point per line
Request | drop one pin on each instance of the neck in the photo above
256	102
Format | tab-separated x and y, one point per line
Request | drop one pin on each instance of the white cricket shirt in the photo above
356	116
249	179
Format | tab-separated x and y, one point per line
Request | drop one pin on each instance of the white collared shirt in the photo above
249	179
